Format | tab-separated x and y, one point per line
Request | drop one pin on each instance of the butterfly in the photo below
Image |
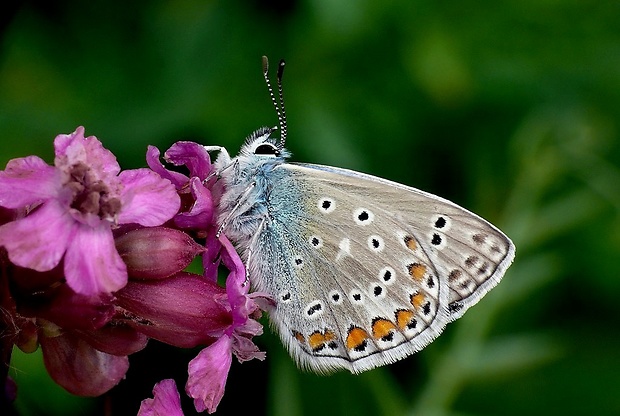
364	271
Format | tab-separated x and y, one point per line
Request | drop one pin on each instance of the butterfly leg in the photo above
253	244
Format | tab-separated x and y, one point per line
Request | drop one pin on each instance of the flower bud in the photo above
156	252
185	310
70	310
79	368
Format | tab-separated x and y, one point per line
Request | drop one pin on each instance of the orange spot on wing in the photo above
299	337
417	300
317	339
404	317
410	243
356	338
417	271
382	328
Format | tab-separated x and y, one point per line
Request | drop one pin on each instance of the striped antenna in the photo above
282	117
279	107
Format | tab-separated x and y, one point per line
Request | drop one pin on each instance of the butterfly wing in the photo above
366	271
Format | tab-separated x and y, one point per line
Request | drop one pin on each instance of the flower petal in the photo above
73	149
236	279
147	198
192	155
79	368
245	349
39	240
208	373
92	264
152	160
201	214
26	181
211	257
166	401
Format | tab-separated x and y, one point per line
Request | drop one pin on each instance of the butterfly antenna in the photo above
282	115
279	107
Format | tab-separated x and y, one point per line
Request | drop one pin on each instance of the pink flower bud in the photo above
185	310
157	252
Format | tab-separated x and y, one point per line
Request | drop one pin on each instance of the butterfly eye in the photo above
267	149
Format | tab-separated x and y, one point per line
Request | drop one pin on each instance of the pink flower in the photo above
197	211
208	373
72	236
72	208
209	370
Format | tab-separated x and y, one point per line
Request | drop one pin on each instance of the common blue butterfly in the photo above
364	271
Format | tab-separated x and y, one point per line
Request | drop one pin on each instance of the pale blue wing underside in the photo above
366	271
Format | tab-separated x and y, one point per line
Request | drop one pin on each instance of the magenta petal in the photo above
39	240
79	368
27	181
208	373
246	350
166	401
147	199
73	149
152	160
242	305
200	215
232	261
192	155
92	264
211	256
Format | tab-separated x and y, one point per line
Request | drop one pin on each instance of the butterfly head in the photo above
261	144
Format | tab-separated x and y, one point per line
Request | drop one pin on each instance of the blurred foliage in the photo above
510	109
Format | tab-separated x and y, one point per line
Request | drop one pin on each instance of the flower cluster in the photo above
93	264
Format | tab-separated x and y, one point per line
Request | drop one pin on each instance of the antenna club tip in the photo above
265	63
281	68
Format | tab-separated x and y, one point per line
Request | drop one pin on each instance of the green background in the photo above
510	109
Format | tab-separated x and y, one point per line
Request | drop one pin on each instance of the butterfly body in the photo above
364	271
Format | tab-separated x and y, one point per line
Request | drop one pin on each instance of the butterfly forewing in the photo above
469	253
